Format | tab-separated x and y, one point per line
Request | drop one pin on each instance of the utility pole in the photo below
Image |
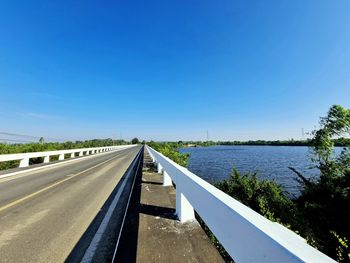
302	134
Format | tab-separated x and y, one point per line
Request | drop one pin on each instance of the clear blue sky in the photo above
171	70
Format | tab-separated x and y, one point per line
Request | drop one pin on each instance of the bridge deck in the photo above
153	234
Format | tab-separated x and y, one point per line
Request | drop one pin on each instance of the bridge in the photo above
129	204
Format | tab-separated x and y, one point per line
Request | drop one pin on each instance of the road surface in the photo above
44	213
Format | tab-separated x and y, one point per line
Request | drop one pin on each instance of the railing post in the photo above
159	168
61	157
166	179
72	155
24	162
81	153
184	209
47	159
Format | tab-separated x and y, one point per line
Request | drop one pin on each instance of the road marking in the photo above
51	186
91	250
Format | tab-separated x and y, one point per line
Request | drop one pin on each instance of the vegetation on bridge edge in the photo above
171	150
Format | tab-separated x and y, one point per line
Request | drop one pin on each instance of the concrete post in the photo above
81	153
24	162
159	168
87	152
166	179
61	157
184	210
47	159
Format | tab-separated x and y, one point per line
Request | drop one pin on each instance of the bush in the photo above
264	196
171	150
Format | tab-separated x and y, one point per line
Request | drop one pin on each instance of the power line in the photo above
29	136
18	135
10	140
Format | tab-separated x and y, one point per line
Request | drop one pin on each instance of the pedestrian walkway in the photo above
153	234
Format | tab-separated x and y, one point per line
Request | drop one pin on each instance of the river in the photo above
215	163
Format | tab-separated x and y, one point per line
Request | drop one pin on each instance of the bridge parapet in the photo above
25	157
245	234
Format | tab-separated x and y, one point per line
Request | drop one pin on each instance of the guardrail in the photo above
245	234
25	157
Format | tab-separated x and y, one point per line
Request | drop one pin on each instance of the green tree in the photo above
135	141
325	201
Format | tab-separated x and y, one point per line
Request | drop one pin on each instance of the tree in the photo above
325	201
135	141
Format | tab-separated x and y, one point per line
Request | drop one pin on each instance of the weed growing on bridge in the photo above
171	150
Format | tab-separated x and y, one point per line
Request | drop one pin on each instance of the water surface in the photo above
215	163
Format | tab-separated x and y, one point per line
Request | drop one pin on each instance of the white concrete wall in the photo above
24	157
246	235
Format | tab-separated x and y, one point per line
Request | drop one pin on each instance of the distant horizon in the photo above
22	138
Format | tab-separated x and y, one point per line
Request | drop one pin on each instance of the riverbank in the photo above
339	142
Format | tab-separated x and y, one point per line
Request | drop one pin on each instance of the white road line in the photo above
91	250
126	211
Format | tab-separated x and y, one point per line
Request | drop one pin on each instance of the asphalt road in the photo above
44	213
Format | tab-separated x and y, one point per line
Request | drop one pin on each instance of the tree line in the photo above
338	142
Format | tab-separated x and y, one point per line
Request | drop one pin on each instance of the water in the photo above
215	163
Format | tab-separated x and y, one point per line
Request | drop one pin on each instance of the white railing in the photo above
246	235
25	157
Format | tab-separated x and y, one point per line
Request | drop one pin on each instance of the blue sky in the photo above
171	70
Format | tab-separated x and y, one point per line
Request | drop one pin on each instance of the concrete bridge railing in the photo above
25	157
245	234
